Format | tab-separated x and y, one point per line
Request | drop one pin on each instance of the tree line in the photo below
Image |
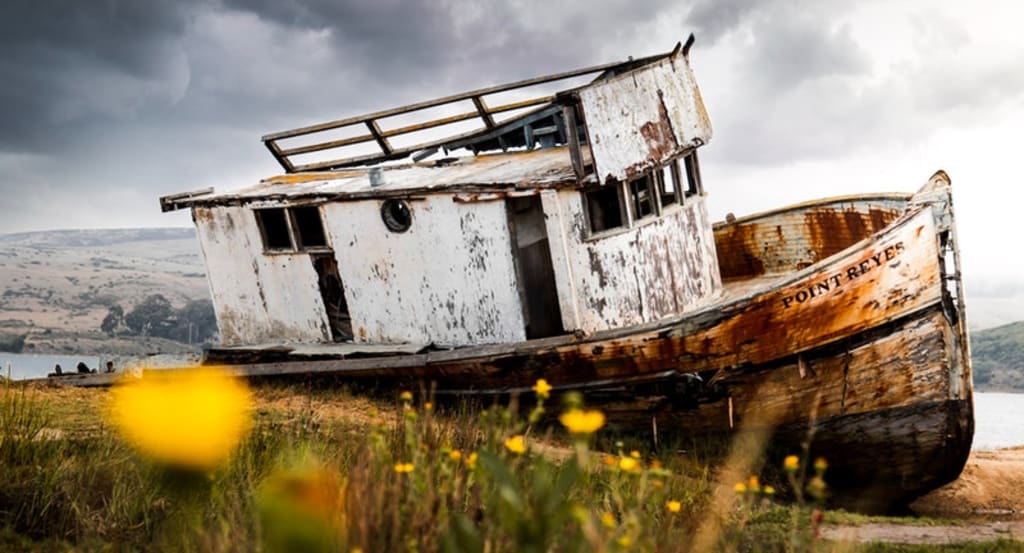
195	322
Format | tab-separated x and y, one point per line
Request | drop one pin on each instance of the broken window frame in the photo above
292	227
588	193
642	191
665	175
270	230
694	187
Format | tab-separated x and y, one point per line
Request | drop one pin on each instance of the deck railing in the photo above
375	134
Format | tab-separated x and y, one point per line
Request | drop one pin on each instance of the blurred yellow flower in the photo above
608	460
628	464
791	463
673	506
608	520
428	406
656	464
768	490
753	483
403	468
634	454
516	444
455	455
820	464
189	418
471	460
542	389
740	487
582	422
405	396
624	541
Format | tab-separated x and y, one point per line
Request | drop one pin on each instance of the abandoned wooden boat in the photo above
574	245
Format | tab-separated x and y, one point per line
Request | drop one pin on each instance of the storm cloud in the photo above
106	105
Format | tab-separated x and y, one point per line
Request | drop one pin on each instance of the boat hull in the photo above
848	334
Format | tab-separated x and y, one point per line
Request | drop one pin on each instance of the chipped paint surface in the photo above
547	168
641	119
788	240
659	268
257	297
449	279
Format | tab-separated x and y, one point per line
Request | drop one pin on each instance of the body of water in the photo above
25	365
998	420
999	417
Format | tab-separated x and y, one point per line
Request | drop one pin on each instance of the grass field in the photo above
210	466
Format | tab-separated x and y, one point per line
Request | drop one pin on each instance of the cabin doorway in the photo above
534	272
333	293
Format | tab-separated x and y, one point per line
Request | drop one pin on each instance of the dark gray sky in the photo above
106	105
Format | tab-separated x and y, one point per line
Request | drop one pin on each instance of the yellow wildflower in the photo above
582	422
628	464
428	406
455	455
191	418
820	464
405	396
608	460
471	460
516	444
656	464
542	388
624	541
740	487
634	454
768	490
403	468
753	483
791	463
673	506
608	520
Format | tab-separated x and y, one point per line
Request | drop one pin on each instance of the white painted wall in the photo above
654	270
449	279
258	298
641	119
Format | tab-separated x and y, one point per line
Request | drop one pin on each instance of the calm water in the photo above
999	418
37	366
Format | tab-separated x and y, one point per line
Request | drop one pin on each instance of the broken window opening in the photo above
604	208
641	192
273	225
667	183
309	228
693	184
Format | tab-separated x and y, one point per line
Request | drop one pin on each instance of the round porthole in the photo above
396	215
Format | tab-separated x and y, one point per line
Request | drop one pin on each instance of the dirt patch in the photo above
986	503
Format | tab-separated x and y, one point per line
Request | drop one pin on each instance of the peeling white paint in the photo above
449	279
257	297
660	268
641	119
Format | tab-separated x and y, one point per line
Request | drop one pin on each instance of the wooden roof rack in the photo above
516	131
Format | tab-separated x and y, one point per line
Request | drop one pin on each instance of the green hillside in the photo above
998	355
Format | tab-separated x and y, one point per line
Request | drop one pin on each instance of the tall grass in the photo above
401	476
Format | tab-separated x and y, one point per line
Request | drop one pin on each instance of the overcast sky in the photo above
105	105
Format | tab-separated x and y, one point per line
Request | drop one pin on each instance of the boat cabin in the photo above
581	211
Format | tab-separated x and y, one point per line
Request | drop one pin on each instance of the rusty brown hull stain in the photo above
735	258
791	240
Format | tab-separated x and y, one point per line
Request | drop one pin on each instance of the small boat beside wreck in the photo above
573	244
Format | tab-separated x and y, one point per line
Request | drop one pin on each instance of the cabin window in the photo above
291	229
693	184
641	193
274	228
604	208
666	178
396	215
309	228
